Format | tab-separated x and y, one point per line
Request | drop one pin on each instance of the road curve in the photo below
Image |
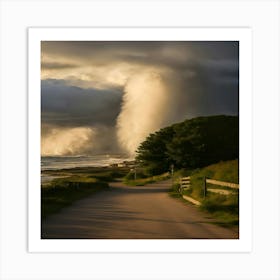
146	212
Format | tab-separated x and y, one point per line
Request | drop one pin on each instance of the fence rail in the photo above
185	183
221	183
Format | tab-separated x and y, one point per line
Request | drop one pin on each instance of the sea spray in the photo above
63	141
145	109
66	141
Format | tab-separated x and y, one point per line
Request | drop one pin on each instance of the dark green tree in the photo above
193	143
205	140
152	153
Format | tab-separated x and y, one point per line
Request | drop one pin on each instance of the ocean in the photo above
62	162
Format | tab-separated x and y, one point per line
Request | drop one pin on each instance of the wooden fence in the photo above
219	183
185	183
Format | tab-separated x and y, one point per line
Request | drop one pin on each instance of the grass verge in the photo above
74	184
224	209
64	191
129	181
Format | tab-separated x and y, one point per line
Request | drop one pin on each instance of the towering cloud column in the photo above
144	109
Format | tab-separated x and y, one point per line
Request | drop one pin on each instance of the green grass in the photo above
174	191
225	219
224	208
64	191
76	183
130	181
224	171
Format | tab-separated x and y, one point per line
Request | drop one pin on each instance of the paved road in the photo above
133	213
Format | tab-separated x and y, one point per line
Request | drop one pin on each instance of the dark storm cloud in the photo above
186	55
169	53
206	93
209	72
84	83
71	106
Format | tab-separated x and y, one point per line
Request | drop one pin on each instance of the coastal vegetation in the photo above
200	147
74	184
224	208
194	143
141	179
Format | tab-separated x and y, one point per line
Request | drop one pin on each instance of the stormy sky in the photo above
106	97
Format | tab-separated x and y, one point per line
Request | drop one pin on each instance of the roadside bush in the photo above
218	202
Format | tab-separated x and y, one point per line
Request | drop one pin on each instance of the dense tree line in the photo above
190	144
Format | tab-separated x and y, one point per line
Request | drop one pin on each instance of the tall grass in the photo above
75	184
223	207
223	171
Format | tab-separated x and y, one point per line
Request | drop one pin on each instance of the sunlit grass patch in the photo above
224	208
130	180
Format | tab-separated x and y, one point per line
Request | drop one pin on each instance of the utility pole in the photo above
172	172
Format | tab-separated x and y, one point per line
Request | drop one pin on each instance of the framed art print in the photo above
139	139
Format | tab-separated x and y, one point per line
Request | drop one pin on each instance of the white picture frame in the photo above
243	36
261	261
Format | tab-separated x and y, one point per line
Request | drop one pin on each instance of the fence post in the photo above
204	187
